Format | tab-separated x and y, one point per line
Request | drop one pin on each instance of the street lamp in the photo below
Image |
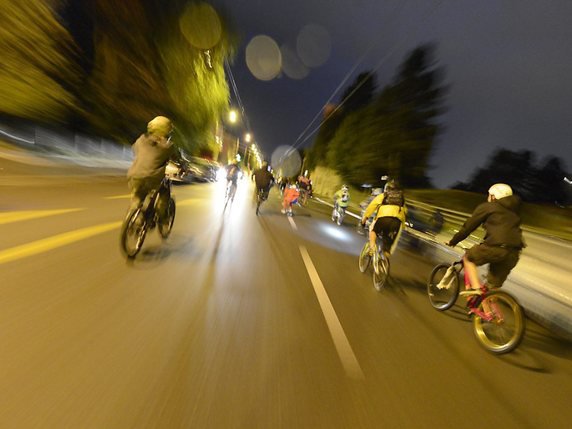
247	137
232	116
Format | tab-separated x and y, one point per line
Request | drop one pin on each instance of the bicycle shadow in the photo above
159	252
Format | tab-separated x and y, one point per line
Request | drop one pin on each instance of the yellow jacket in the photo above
384	210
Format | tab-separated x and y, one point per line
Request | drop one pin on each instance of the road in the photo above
238	321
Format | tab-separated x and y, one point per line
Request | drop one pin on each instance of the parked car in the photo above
202	169
178	172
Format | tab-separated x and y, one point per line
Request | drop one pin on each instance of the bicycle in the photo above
378	260
230	192
145	218
499	330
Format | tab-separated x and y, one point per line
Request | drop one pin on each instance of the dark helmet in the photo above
390	186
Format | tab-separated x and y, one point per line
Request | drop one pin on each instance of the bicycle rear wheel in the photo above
505	330
380	272
167	224
133	233
443	298
364	258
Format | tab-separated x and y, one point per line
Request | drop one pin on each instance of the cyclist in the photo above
389	211
263	179
363	205
342	198
291	194
503	242
304	184
152	151
232	174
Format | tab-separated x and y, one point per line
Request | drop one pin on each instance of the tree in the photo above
544	184
38	72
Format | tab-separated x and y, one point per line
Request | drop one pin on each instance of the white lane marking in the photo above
294	227
345	352
118	197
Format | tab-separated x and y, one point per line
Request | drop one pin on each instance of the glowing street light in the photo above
247	137
232	116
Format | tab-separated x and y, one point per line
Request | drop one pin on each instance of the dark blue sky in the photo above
508	64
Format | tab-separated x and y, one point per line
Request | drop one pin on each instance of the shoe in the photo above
283	211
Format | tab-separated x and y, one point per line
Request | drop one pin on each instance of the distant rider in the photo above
152	152
263	179
232	174
342	198
389	211
291	194
503	242
363	205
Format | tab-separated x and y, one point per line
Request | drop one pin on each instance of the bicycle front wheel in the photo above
133	233
167	224
504	330
443	294
364	258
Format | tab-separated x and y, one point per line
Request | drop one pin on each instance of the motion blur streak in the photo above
54	242
31	214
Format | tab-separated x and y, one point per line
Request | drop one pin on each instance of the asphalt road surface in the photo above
238	321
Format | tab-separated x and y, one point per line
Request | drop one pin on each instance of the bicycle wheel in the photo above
167	224
380	272
443	298
133	233
505	330
364	258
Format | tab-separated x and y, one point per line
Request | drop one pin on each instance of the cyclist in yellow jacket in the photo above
390	211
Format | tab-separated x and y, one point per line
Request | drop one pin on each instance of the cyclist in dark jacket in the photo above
152	152
500	216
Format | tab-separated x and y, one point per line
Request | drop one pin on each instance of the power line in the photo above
361	83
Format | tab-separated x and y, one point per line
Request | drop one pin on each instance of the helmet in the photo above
376	191
392	184
500	190
160	126
345	188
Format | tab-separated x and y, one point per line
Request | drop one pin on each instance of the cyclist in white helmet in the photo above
152	151
503	242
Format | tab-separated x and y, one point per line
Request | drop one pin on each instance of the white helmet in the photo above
500	190
160	126
345	188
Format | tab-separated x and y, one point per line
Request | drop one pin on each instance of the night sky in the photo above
509	65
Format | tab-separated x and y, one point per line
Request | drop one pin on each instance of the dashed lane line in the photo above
341	342
50	243
118	197
17	216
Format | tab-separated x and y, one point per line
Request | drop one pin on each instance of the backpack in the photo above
393	197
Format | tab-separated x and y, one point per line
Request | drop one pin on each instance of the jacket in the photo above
338	198
263	178
151	157
387	210
501	220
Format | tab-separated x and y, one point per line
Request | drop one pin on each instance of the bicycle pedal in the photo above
470	292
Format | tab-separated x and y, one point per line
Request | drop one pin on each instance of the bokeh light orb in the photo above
201	26
292	66
314	45
263	57
286	160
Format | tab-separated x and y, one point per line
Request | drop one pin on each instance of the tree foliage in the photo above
143	65
542	183
39	73
389	133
